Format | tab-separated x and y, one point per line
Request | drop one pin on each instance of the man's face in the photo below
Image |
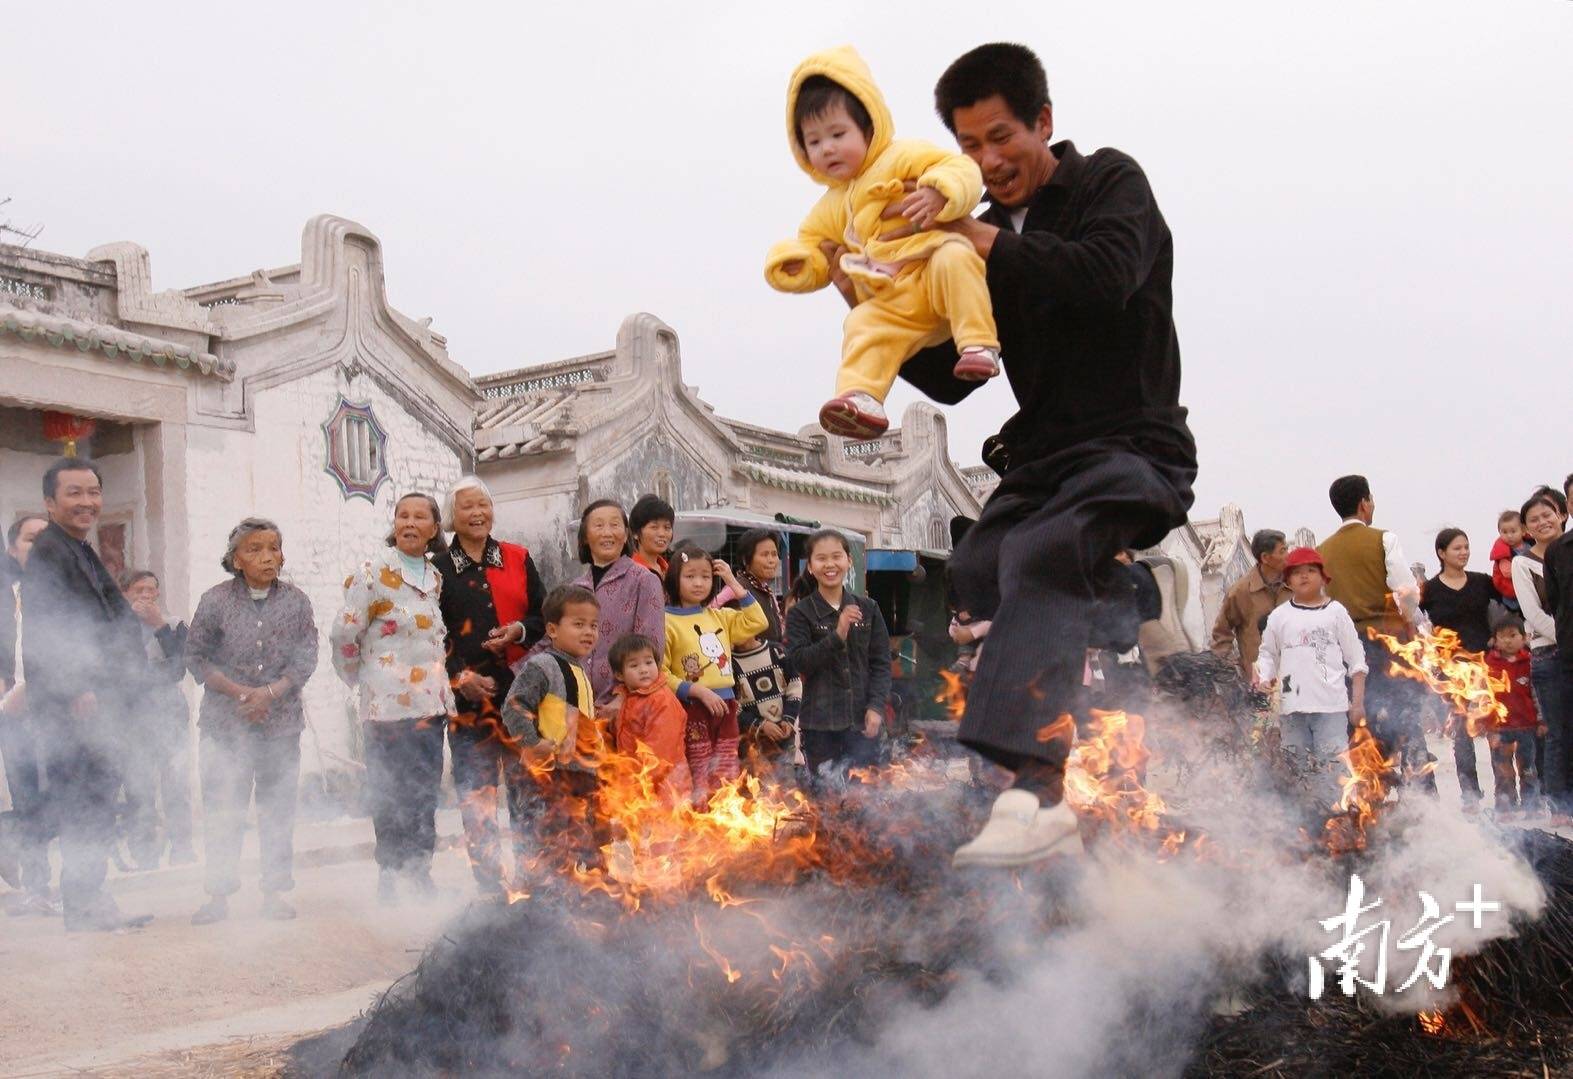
1014	157
1273	560
77	502
24	540
143	590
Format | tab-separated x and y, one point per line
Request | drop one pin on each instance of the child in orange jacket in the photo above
651	715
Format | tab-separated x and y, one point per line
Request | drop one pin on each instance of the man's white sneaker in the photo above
1020	832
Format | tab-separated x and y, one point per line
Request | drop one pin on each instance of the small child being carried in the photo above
916	285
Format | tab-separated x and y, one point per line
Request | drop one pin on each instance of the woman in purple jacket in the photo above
630	595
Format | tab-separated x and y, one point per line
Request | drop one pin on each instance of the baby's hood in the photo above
846	67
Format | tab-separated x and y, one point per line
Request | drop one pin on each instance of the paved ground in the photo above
74	1003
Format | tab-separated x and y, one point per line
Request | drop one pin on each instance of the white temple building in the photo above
297	393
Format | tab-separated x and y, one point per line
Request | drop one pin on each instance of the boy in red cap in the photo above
1308	646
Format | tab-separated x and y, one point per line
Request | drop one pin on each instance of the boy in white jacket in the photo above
1308	646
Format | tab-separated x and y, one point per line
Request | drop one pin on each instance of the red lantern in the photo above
64	427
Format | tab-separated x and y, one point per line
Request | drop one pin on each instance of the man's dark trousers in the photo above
1033	564
83	782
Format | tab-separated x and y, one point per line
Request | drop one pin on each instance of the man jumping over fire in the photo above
1098	459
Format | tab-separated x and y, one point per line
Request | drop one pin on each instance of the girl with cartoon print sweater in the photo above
698	661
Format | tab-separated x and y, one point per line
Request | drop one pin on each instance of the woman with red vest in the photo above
491	603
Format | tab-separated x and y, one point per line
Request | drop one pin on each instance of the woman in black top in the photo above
1459	600
837	643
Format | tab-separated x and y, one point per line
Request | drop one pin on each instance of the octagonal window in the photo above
357	450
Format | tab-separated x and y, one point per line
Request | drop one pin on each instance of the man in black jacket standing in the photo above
1098	459
83	654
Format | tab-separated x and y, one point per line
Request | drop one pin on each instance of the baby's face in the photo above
834	142
1512	532
640	670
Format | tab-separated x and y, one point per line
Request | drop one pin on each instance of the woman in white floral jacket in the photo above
389	641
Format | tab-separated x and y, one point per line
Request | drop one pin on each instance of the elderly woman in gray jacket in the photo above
252	646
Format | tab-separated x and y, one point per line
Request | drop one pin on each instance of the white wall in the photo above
279	472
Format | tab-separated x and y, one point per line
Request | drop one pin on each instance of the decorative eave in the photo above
812	483
61	332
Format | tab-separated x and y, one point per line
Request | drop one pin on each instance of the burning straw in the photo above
769	935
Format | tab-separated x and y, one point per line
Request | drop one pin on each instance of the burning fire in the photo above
658	844
952	694
1462	678
1365	788
1105	776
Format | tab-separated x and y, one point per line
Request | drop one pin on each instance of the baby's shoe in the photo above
977	364
854	415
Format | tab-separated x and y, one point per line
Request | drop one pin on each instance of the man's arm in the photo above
1402	583
1223	628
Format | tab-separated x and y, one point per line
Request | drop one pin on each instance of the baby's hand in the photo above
922	207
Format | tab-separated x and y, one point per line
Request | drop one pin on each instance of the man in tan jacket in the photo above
1250	600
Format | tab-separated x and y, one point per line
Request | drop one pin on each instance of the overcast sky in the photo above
1370	203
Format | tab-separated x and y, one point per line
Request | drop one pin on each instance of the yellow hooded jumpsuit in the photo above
912	292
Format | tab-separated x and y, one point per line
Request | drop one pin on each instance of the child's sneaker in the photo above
854	415
977	364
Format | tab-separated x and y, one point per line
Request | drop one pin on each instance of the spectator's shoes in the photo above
274	907
1019	832
214	910
105	917
854	415
977	364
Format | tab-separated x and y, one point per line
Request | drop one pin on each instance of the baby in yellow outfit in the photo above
915	286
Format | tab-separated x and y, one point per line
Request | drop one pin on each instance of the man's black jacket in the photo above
1083	301
79	634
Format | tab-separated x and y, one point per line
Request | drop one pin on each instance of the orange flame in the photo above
1462	678
1104	778
1365	788
952	694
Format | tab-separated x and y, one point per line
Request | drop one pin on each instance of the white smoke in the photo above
1153	947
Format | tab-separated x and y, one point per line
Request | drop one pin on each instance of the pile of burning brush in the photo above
769	934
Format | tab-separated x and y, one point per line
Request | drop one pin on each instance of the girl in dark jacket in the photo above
837	643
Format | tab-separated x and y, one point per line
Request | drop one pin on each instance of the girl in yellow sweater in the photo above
698	661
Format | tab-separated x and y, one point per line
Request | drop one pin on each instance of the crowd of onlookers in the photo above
1310	624
659	655
659	652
